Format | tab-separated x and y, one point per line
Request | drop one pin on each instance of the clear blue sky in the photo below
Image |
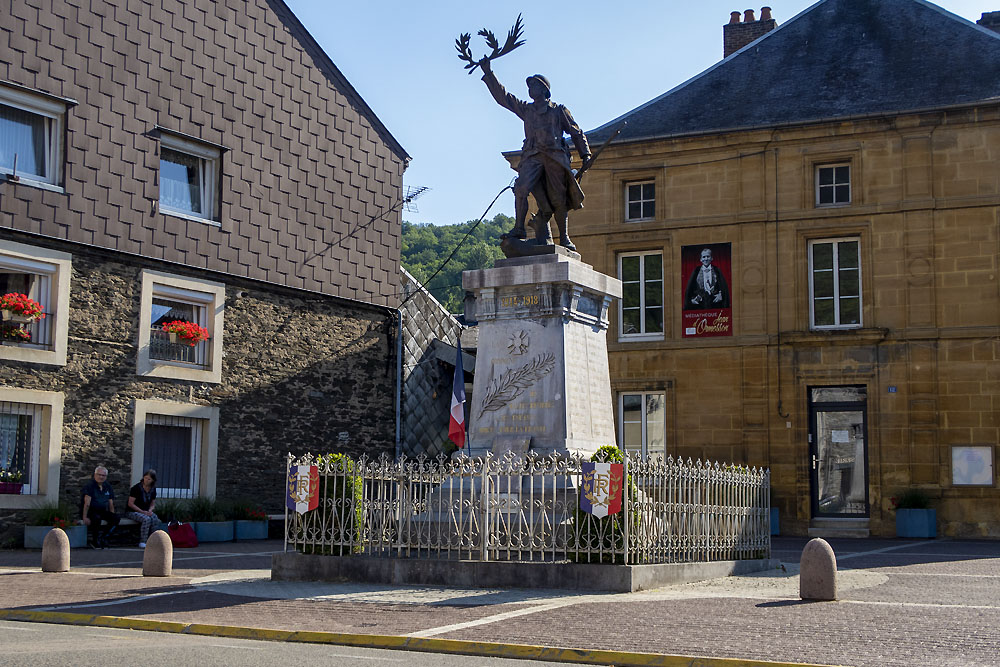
603	59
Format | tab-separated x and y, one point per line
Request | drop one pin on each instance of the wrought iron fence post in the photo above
625	514
484	501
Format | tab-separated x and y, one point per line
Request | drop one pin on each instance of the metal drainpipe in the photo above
399	377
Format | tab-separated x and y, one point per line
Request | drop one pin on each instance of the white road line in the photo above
920	605
431	632
183	559
111	603
858	554
933	574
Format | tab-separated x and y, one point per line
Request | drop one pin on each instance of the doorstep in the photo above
826	527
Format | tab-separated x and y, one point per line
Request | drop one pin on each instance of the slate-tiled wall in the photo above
310	180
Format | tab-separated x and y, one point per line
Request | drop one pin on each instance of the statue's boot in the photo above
540	224
562	223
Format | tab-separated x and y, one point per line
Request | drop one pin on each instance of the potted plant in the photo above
11	481
914	516
209	520
20	308
185	332
251	521
46	517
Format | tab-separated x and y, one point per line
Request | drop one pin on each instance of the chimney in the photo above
990	21
736	34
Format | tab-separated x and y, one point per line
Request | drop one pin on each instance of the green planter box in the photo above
34	536
213	531
251	530
916	523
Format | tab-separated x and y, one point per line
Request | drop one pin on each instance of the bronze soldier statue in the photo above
544	170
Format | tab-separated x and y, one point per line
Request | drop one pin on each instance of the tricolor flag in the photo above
456	425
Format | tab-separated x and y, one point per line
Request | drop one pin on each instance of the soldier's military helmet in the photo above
540	79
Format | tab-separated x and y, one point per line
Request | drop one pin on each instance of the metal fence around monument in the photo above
672	511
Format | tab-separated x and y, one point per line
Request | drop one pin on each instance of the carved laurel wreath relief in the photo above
513	382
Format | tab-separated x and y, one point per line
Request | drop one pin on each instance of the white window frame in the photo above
850	187
52	291
48	441
204	461
209	160
836	285
644	450
642	334
54	113
639	201
205	294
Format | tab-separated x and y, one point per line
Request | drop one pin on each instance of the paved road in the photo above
903	603
33	644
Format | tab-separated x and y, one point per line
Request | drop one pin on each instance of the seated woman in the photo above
141	501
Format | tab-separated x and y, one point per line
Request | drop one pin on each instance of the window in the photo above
641	306
188	178
643	423
30	445
44	276
833	184
640	201
835	283
180	442
30	136
167	298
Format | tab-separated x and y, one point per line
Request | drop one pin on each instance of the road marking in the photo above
431	632
858	554
938	574
111	603
183	558
921	605
245	648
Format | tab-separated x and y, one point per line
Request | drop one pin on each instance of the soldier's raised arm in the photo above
500	94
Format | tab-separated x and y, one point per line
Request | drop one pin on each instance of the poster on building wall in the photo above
706	273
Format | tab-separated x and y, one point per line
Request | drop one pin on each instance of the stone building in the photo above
207	163
842	171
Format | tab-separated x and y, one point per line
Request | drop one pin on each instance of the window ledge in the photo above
42	185
640	338
631	220
833	335
192	218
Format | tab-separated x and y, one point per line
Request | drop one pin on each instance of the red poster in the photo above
707	277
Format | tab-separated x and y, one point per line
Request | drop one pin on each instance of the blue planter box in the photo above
916	523
251	530
213	531
34	536
775	526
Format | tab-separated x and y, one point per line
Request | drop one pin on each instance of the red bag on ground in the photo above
182	535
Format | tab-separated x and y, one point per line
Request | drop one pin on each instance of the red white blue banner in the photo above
456	423
601	489
303	488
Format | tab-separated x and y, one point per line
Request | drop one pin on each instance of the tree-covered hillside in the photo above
426	247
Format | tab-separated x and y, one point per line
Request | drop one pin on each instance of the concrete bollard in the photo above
55	551
158	560
818	571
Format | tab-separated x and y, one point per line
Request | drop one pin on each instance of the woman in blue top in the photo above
141	501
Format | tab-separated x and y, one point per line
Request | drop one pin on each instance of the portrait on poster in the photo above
706	273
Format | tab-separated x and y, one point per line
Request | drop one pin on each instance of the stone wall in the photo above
302	372
925	206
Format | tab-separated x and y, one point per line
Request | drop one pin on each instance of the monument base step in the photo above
839	528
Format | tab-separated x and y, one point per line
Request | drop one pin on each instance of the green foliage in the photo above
338	492
172	509
425	247
912	499
51	514
201	508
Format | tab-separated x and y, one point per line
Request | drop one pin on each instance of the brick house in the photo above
807	233
165	161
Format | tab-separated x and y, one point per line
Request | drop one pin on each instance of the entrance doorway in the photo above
838	451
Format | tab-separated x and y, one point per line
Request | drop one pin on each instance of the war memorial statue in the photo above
544	169
542	383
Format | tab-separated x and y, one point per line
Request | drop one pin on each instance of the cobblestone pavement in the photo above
902	603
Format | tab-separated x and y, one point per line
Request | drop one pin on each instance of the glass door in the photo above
838	451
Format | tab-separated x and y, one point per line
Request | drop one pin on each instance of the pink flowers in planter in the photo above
20	307
188	332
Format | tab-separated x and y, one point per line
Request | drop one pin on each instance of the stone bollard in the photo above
158	560
818	571
55	551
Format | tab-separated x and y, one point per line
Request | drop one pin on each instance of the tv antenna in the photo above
413	192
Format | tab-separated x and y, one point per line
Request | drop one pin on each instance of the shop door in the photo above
838	451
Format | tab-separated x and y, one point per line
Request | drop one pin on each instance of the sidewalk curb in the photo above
396	642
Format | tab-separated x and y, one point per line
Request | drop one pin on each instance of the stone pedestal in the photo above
542	380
